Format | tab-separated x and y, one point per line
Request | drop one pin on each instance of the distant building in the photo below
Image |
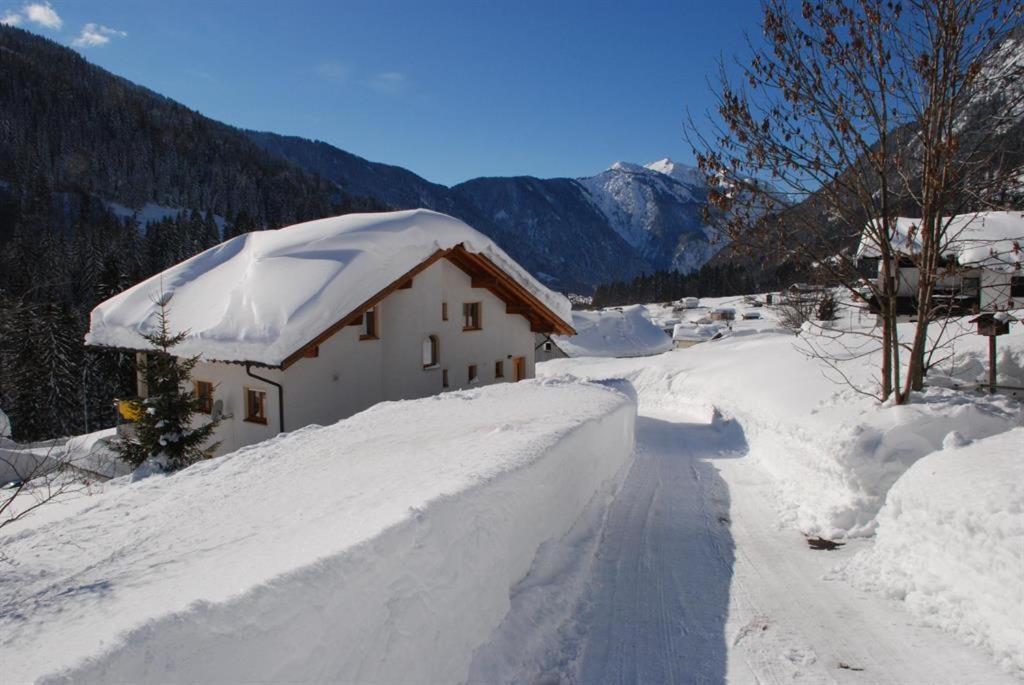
547	349
315	322
981	264
688	334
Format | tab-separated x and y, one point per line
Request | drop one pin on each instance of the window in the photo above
255	406
471	316
548	347
971	286
472	373
431	351
444	311
204	396
499	369
444	378
369	325
1016	286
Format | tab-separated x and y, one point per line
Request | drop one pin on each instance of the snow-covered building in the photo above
615	332
547	349
689	334
312	323
981	269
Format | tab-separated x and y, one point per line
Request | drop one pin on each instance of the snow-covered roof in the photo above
262	296
987	239
620	332
696	332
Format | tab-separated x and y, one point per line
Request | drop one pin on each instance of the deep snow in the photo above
379	549
614	332
950	544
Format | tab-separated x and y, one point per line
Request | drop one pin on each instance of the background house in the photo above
981	268
314	322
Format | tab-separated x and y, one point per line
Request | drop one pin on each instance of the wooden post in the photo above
992	364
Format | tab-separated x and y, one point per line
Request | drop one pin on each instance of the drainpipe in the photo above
280	394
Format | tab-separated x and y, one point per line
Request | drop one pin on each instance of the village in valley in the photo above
271	412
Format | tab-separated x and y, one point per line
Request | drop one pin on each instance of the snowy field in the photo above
379	549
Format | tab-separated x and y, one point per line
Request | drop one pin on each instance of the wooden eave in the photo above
483	273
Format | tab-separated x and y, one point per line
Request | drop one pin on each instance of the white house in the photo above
981	267
312	323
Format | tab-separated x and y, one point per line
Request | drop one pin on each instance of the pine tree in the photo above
163	427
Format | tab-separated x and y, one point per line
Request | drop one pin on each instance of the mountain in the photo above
574	233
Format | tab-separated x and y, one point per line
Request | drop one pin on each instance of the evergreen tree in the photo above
163	425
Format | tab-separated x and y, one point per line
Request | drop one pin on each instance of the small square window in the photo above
369	325
204	397
471	316
472	373
499	369
547	347
255	406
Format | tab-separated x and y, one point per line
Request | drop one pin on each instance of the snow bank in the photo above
263	295
379	549
950	544
833	452
621	332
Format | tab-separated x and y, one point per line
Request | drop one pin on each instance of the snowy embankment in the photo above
379	549
619	332
950	544
834	453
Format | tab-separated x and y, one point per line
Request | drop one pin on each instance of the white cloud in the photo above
94	35
387	81
335	72
10	18
42	13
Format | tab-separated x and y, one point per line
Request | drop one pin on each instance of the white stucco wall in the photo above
350	374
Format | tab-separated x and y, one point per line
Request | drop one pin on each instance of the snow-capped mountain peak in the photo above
687	175
656	209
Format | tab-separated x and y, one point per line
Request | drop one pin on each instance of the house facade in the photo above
463	315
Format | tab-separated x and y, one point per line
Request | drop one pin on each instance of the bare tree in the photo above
34	476
846	117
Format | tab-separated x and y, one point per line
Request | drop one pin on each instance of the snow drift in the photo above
950	544
620	332
378	549
263	295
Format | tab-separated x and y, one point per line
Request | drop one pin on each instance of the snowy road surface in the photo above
690	579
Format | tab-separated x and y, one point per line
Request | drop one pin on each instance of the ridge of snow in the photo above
261	296
378	549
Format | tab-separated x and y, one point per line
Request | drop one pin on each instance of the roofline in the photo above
500	287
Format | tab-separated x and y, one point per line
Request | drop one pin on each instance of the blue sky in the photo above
450	90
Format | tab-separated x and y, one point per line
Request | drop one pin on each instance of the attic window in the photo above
204	397
255	406
431	351
369	325
471	316
548	347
